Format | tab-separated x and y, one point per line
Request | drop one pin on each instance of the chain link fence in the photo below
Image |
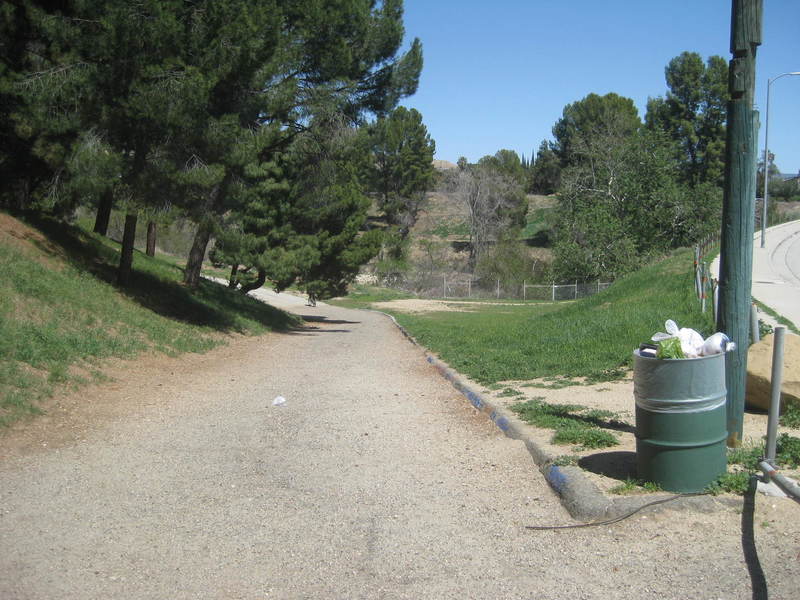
462	286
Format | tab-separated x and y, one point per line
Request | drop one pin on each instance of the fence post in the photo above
444	286
554	291
704	279
498	289
755	334
697	270
715	297
469	287
523	290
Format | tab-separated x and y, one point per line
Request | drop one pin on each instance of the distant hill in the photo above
444	165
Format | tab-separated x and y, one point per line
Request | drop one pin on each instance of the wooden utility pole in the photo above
738	210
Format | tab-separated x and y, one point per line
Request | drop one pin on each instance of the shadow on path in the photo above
757	577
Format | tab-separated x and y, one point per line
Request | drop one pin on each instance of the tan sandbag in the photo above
759	372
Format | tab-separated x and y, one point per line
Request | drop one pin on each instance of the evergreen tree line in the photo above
249	117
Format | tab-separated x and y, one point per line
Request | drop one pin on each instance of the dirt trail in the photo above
375	479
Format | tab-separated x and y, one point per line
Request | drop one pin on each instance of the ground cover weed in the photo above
572	423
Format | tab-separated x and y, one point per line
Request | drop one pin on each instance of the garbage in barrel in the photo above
681	425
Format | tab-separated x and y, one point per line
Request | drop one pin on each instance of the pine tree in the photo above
400	169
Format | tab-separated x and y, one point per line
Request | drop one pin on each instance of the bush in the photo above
509	261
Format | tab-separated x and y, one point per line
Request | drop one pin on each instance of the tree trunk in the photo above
104	212
151	238
262	277
233	281
126	257
194	263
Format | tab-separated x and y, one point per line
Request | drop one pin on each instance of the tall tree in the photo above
593	118
544	175
506	162
625	203
326	57
693	114
400	168
494	201
36	129
302	218
127	78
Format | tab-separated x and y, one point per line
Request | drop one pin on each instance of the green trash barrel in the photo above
680	420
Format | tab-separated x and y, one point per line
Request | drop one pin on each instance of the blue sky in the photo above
498	74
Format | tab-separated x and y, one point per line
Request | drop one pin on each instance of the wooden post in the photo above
736	254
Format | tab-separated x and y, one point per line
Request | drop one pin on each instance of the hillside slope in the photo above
61	316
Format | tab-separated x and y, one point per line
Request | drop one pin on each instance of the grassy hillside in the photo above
61	314
592	337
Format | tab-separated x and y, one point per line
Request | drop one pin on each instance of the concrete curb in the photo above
581	497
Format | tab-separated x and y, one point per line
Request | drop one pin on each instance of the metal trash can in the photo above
680	420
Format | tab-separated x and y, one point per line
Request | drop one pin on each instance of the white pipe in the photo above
775	398
786	484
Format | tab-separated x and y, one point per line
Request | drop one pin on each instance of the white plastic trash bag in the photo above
691	341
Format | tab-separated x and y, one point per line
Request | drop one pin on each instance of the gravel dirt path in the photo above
376	479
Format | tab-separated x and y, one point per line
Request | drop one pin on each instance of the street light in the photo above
766	157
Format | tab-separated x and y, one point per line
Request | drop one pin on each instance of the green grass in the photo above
61	315
746	459
362	296
571	423
538	223
791	416
782	320
509	393
635	486
444	230
593	337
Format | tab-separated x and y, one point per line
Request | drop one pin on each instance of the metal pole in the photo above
766	156
766	168
775	398
755	334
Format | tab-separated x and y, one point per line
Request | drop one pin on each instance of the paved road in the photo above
374	480
776	270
